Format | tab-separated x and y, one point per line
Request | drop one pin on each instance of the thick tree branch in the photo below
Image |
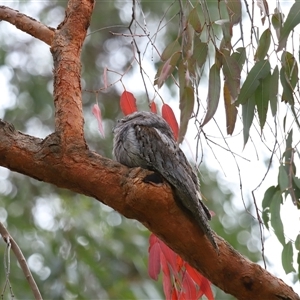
27	24
123	189
63	159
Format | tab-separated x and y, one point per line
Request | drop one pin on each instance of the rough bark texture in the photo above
64	160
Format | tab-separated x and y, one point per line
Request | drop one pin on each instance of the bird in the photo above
145	139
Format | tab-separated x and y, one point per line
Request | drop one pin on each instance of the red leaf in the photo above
201	281
188	287
180	280
153	107
154	257
168	115
128	103
97	113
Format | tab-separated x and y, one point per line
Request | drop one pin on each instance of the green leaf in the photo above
166	70
262	96
194	20
277	19
269	193
274	91
292	20
232	74
239	56
266	217
186	109
234	9
283	178
259	71
276	221
263	45
287	258
296	181
170	50
298	262
297	242
247	116
230	110
200	52
288	151
288	76
214	86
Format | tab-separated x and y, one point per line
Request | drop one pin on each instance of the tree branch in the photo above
22	261
27	24
64	160
88	173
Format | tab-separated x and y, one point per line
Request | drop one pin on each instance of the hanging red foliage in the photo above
128	103
168	115
180	280
97	113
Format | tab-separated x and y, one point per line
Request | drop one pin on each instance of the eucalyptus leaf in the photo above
214	86
292	20
276	221
259	71
247	117
274	91
287	258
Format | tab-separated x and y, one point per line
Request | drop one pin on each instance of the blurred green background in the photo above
76	247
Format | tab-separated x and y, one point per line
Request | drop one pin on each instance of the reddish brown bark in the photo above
64	160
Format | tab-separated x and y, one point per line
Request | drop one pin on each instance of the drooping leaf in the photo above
264	9
200	52
274	91
239	56
288	151
263	45
287	258
292	20
247	116
201	281
186	106
167	69
297	242
296	181
180	280
230	110
298	262
168	114
194	20
170	50
234	9
128	103
276	221
153	107
262	96
277	21
214	86
283	178
227	31
154	257
259	71
97	113
269	193
288	76
232	74
188	288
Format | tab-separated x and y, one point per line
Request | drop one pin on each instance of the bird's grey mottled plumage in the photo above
144	139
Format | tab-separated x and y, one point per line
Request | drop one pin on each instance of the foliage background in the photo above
75	246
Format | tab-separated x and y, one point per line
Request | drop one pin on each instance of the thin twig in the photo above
22	261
